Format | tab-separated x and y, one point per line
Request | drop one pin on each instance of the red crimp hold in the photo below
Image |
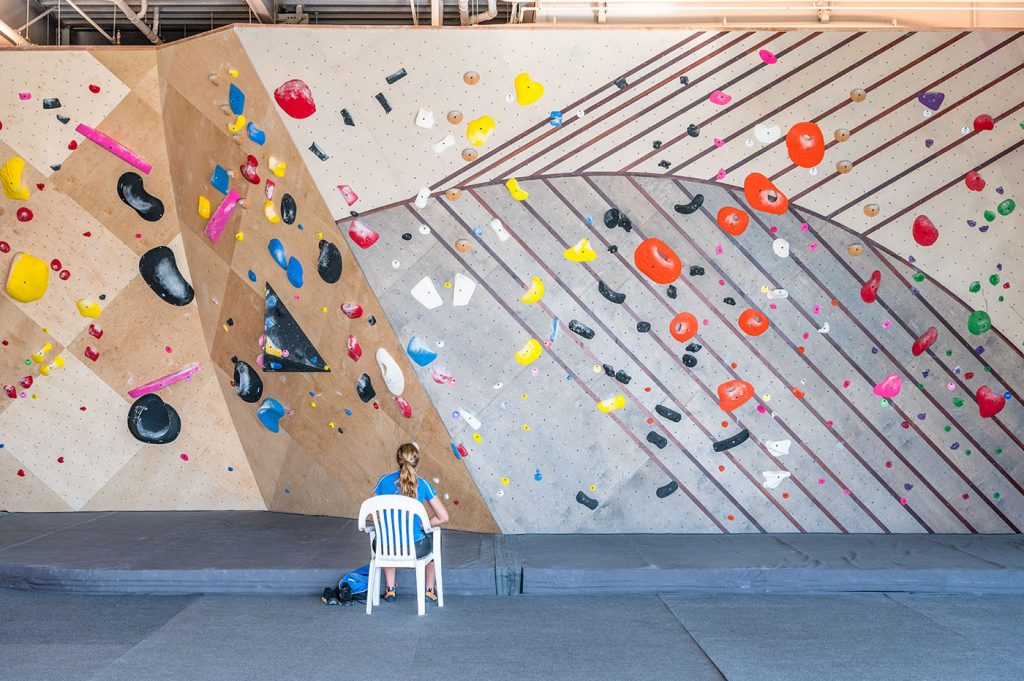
869	291
354	351
462	451
974	181
26	382
351	310
403	406
92	354
924	341
11	391
95	331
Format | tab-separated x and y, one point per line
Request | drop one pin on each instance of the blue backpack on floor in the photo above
355	582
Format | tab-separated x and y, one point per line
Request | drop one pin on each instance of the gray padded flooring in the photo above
76	637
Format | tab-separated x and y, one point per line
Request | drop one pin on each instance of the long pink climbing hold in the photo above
115	148
164	381
221	216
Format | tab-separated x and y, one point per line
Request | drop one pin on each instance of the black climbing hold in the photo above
625	223
371	320
729	300
664	164
103	296
609	370
284	334
643	327
134	194
613	249
689	360
613	296
407	236
622	377
696	271
694	347
730	442
51	103
318	152
153	421
586	501
288	209
670	414
365	389
328	264
671	291
691	207
354	213
656	144
692	130
248	384
230	322
621	82
54	167
160	272
666	490
346	118
611	218
657	439
684	80
383	101
396	76
581	329
63	119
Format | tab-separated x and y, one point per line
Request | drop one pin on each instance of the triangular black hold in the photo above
286	346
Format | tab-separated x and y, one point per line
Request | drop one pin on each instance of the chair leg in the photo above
420	587
370	584
438	586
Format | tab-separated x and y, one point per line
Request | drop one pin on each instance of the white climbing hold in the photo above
425	119
471	420
778	447
773	479
499	230
394	380
442	144
422	197
778	294
462	289
426	293
781	248
825	328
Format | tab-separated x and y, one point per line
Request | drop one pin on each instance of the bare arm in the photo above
440	512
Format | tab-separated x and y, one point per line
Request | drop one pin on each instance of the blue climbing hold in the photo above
420	352
236	100
270	413
252	276
219	180
295	272
537	476
276	249
255	134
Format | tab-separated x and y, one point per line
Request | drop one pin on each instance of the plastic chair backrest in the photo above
393	524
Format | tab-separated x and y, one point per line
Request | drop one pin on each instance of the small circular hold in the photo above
858	95
395	264
469	154
463	245
844	167
872	210
453	194
842	135
855	250
454	117
471	77
407	236
424	229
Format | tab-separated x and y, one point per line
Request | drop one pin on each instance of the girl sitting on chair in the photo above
406	482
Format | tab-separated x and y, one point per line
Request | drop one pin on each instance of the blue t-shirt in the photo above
388	484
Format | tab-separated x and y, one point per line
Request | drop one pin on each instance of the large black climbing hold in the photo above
131	191
396	76
694	347
346	118
248	384
286	346
613	296
656	144
383	101
609	370
697	271
625	223
657	439
670	414
689	360
622	377
153	421
691	207
318	152
666	490
328	264
692	130
671	291
364	388
581	329
586	501
611	218
643	327
63	119
51	103
288	209
621	82
730	442
729	300
160	272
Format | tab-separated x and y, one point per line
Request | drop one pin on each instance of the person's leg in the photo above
389	576
430	575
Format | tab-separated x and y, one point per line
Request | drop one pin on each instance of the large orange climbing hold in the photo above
654	258
733	220
805	144
753	323
733	394
683	326
764	196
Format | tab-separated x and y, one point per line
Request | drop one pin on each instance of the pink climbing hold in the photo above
925	233
720	98
767	57
164	381
403	406
869	291
220	217
348	194
295	99
114	147
889	387
362	234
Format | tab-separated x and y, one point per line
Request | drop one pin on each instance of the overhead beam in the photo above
81	12
11	35
263	9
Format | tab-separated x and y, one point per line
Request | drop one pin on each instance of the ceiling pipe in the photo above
467	20
11	35
436	14
137	21
81	12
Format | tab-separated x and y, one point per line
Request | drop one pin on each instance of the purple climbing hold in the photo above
928	143
932	100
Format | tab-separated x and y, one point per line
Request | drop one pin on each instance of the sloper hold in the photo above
248	384
364	388
730	442
419	352
236	100
613	296
288	209
666	490
160	272
657	439
670	414
153	421
282	334
581	329
586	501
131	190
328	264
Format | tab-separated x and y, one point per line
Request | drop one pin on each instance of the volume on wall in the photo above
609	281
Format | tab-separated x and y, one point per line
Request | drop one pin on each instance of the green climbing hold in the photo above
1001	298
989	216
919	277
949	353
958	402
979	322
999	450
975	287
995	495
968	452
1006	207
993	279
948	428
987	369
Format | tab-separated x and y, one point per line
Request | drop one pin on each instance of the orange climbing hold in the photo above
805	144
764	196
753	323
683	326
654	258
733	394
733	220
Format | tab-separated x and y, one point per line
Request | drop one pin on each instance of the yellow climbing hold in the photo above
477	437
204	207
517	192
238	125
233	73
479	129
57	363
528	90
535	293
40	356
271	213
529	352
612	403
10	178
28	278
581	252
88	308
278	167
239	236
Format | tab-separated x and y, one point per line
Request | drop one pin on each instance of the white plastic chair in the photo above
392	527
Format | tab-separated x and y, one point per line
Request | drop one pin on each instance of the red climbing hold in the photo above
11	391
403	406
72	145
295	99
354	350
989	403
764	196
95	89
983	122
5	247
21	472
91	353
974	181
26	382
733	394
55	265
654	258
733	220
683	326
753	323
249	169
805	144
925	233
924	341
352	310
24	214
869	291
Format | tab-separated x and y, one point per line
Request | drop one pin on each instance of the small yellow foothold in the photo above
312	404
278	167
88	308
319	235
612	403
526	427
581	252
10	178
447	284
226	328
324	310
204	208
515	191
523	396
505	481
40	356
528	90
271	213
233	73
535	293
765	288
28	278
239	236
238	125
477	437
529	353
478	130
593	488
46	369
